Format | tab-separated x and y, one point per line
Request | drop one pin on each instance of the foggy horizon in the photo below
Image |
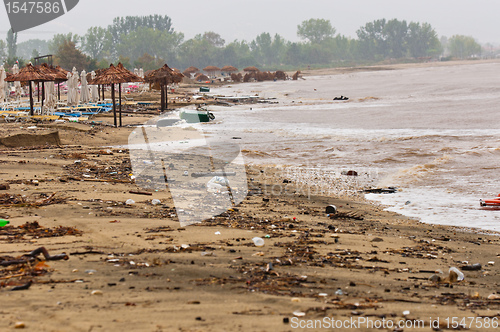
247	20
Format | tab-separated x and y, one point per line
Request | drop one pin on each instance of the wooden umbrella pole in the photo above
59	91
120	100
31	99
113	98
38	90
166	96
162	90
43	92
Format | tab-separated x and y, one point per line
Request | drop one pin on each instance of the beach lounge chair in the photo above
7	117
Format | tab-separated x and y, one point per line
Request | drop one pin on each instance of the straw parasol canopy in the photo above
163	76
229	69
115	75
127	74
58	75
251	69
30	74
191	69
189	72
211	70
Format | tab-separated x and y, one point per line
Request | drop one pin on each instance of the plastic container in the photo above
217	184
460	275
4	222
258	241
331	209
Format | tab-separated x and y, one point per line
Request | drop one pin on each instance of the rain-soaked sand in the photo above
133	268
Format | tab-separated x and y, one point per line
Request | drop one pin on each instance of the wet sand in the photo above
132	267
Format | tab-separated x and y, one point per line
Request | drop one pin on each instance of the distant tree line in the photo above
150	41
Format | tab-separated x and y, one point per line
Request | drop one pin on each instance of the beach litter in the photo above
34	230
19	325
473	267
258	241
331	209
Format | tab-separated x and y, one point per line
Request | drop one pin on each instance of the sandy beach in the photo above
131	267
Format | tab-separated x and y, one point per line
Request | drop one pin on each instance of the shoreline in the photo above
395	66
132	267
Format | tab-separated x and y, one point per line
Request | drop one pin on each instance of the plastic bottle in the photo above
258	241
4	222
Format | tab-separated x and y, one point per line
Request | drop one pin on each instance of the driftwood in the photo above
32	256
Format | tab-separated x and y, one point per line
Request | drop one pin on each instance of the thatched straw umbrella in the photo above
211	70
130	77
251	69
30	74
115	75
190	70
163	76
201	78
229	69
58	75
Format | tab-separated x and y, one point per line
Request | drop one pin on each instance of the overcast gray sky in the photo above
245	19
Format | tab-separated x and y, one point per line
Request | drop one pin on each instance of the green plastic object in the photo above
4	222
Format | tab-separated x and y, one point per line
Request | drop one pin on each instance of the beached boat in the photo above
195	116
490	202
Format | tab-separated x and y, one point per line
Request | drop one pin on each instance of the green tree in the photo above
156	43
196	52
123	26
373	42
96	41
315	30
3	53
60	39
68	56
294	54
11	44
422	40
238	54
343	48
463	47
27	48
395	33
148	62
214	39
261	49
267	50
278	48
125	61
